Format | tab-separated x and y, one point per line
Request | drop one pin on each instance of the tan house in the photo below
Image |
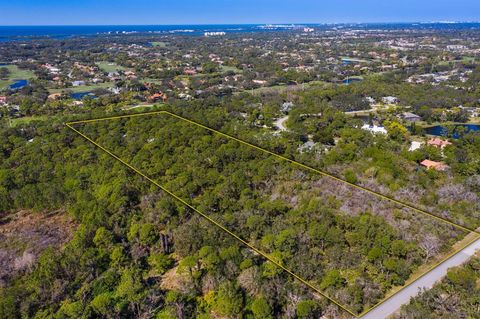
438	142
438	166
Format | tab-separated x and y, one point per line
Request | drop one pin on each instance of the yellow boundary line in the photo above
391	199
70	125
211	220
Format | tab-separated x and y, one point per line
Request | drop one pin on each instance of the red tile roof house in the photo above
157	96
437	142
3	100
190	72
438	166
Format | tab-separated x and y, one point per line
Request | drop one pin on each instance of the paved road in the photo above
393	304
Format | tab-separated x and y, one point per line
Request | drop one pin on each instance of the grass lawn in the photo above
465	59
151	80
226	68
15	74
284	87
109	66
84	88
159	44
28	119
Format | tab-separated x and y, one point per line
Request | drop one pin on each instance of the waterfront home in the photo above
438	166
212	34
415	146
473	111
438	142
410	117
375	129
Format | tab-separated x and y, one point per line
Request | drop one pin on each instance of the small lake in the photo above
440	130
18	84
81	95
348	61
352	80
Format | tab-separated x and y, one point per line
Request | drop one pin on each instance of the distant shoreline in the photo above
25	32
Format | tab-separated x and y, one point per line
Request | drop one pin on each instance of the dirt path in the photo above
280	123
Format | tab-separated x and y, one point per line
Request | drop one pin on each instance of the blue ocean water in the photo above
12	33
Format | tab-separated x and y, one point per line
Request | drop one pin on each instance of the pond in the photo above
351	80
18	84
81	95
440	130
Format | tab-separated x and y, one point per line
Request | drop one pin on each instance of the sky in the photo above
124	12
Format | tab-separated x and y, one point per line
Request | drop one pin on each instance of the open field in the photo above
109	66
284	212
284	87
28	119
465	59
226	68
159	44
84	88
152	80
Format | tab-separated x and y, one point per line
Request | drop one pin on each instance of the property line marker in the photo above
137	171
211	220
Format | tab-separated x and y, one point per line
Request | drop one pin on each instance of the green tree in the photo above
160	263
4	73
130	287
228	300
307	309
396	130
103	304
332	279
261	309
462	277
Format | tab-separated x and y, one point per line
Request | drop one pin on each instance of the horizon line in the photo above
251	23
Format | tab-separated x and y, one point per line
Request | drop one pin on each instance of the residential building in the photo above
410	117
438	142
438	166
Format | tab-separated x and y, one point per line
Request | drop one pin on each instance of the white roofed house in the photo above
390	100
286	107
375	129
78	83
